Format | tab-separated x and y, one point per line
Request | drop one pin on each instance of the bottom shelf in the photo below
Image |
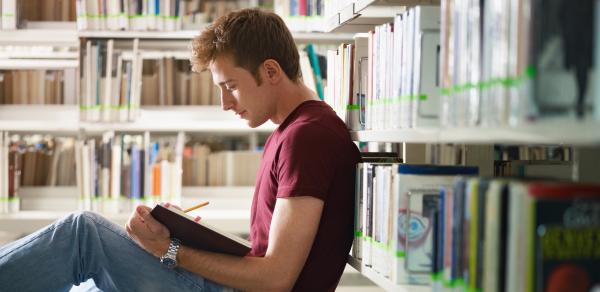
384	282
24	222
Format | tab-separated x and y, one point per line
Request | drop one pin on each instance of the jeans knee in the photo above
87	217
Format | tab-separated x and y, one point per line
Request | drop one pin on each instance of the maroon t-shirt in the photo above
310	154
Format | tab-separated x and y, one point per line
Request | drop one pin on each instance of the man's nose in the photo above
227	100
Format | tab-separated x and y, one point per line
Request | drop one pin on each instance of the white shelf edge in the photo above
37	55
233	221
199	126
322	37
363	15
42	33
190	192
190	34
65	119
131	34
567	132
230	209
16	64
383	282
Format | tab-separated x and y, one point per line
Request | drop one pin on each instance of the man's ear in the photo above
272	70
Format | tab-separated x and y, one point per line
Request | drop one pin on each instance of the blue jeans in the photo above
86	246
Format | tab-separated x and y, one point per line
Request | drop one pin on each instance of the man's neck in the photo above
290	97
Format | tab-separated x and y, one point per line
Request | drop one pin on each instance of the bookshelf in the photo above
300	37
28	64
41	45
383	282
41	206
64	119
508	125
362	15
59	33
571	133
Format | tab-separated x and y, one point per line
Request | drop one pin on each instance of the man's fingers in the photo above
144	215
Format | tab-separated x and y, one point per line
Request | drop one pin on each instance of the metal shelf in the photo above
544	132
383	282
232	221
64	119
190	34
131	34
363	15
229	207
17	64
42	33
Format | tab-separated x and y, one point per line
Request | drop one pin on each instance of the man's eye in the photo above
230	88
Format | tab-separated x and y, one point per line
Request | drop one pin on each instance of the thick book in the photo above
199	235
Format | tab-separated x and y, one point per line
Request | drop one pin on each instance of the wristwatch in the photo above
169	259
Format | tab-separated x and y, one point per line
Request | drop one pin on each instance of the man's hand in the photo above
148	233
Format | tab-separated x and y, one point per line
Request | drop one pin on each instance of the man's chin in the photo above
254	124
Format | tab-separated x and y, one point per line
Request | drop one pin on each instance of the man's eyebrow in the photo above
226	81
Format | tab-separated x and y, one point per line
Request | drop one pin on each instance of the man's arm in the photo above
293	228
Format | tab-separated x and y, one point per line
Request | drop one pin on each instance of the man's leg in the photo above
83	246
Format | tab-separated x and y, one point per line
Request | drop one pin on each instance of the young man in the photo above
303	206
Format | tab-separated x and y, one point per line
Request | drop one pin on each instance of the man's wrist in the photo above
169	259
162	247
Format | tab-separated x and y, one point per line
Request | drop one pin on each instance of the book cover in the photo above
199	235
566	227
418	188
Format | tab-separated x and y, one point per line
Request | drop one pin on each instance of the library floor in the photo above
351	281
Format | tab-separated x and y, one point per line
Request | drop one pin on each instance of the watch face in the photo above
168	262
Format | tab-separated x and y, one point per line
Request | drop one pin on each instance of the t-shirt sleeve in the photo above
307	162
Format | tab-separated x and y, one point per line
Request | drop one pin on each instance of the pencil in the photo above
195	207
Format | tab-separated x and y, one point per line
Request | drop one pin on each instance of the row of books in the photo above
510	63
430	67
118	171
116	82
301	15
153	15
9	178
41	161
312	66
169	81
38	87
14	13
422	224
501	235
386	79
392	226
115	171
33	161
110	86
528	152
201	167
534	168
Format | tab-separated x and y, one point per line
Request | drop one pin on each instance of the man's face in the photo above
240	92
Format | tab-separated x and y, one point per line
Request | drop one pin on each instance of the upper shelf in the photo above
33	64
64	119
190	34
42	33
567	132
363	15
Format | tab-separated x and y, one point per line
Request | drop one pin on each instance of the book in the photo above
416	191
199	235
564	233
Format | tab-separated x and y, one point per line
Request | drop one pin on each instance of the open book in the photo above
197	234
